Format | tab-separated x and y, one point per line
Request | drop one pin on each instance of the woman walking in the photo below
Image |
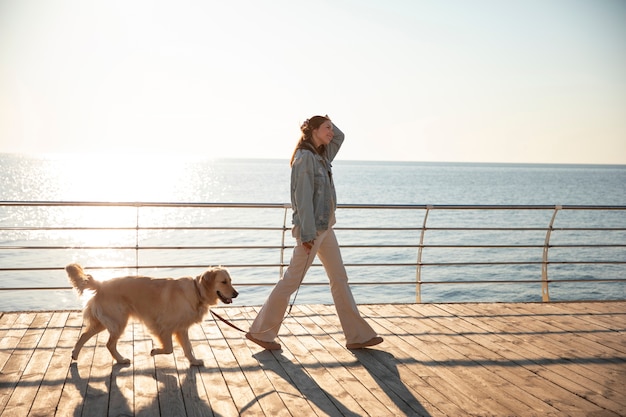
313	202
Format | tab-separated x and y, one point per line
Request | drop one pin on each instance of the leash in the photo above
227	322
286	315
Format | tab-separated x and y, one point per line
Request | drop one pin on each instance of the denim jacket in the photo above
313	197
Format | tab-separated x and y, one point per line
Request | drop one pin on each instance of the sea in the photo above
193	179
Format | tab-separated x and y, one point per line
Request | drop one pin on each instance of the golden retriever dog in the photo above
166	306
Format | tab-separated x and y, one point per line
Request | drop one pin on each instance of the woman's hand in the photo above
308	246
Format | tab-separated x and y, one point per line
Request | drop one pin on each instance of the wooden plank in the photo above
423	383
592	330
587	354
585	376
598	314
607	401
547	391
277	370
571	374
7	323
518	353
610	332
218	396
550	391
265	394
26	389
19	323
234	377
194	393
77	377
478	384
472	381
601	374
50	392
299	376
145	386
374	368
331	378
331	352
96	400
121	399
367	367
600	308
427	384
484	347
473	391
170	397
13	370
57	371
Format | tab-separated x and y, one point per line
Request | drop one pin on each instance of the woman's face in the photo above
323	135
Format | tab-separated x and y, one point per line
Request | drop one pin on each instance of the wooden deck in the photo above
437	359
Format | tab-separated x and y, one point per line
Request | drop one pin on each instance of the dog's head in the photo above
217	284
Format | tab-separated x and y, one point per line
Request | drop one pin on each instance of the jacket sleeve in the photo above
302	195
333	147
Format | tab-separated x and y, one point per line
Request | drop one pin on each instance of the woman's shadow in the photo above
302	381
381	366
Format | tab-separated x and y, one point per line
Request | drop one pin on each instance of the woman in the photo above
313	202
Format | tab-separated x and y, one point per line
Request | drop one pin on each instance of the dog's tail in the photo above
80	280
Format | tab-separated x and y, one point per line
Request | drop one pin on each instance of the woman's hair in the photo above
307	129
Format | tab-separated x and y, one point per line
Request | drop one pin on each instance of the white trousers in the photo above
267	324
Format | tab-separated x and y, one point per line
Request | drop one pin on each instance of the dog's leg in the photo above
182	336
93	328
166	344
112	346
115	320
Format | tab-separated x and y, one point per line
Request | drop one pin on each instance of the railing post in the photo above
418	278
137	239
545	293
282	244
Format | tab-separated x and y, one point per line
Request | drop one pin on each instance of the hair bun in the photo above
305	126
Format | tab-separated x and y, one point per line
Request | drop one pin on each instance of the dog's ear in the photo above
208	277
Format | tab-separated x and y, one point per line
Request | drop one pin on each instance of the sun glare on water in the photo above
109	179
121	177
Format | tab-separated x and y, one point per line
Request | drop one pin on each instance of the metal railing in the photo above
463	236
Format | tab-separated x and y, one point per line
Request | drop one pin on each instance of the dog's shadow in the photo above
178	398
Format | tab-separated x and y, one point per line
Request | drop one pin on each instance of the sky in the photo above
516	81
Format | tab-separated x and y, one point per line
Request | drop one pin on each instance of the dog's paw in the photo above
124	361
196	362
74	356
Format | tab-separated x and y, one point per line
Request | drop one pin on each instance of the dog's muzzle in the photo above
227	300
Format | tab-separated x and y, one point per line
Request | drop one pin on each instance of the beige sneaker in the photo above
262	343
372	342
